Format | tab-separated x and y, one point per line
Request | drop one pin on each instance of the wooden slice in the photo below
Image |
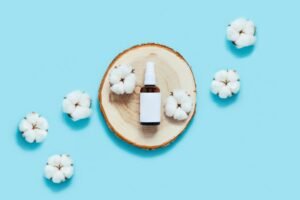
121	112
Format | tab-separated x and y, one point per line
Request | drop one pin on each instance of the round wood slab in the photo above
121	112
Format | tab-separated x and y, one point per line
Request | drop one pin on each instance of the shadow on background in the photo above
135	150
57	187
25	145
78	125
239	53
224	102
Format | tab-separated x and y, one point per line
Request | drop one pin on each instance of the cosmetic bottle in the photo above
150	98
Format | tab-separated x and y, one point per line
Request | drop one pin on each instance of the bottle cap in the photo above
150	74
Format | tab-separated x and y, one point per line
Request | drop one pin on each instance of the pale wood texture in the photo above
122	112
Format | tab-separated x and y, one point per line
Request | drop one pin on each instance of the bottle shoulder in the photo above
150	89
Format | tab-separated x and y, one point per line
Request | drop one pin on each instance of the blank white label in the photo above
150	107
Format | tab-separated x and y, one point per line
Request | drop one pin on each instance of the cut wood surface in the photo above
121	112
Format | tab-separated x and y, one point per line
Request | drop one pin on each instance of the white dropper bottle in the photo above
150	98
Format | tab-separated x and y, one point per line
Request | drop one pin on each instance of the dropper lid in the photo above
150	74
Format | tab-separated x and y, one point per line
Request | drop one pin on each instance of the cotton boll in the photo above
241	32
85	100
122	80
49	171
171	100
66	160
54	160
79	106
68	106
225	88
115	76
187	105
179	95
81	113
59	168
178	105
74	96
232	34
171	106
216	86
42	123
249	28
221	75
244	40
118	88
34	128
25	125
40	135
170	110
180	114
125	70
129	88
58	177
232	76
129	83
114	79
29	136
85	112
67	171
225	93
238	24
234	86
32	117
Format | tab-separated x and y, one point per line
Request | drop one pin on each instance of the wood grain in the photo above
121	113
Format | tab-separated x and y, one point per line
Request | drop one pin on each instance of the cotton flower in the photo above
178	105
122	79
59	168
225	83
34	128
77	105
241	32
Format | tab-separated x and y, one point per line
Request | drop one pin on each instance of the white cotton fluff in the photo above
59	168
178	105
122	79
241	32
225	83
77	105
34	128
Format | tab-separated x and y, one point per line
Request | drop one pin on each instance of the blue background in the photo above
245	148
